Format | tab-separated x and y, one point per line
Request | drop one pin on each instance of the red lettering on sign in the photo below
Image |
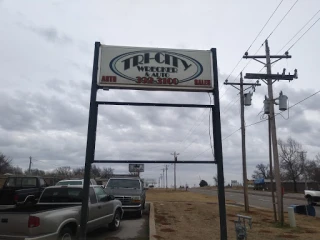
109	79
202	82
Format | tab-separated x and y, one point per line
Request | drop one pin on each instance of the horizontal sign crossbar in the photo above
156	104
154	161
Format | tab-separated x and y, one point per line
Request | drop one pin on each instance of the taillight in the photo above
16	197
33	222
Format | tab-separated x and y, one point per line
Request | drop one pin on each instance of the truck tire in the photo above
66	234
139	213
115	224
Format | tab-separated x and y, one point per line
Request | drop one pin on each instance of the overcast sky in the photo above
46	56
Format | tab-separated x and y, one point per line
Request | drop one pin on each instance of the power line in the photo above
282	19
252	124
256	37
303	34
299	31
265	25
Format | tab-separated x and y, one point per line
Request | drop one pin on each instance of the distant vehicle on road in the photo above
20	190
130	192
57	214
312	196
74	182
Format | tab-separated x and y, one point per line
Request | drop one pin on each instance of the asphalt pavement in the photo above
131	228
264	201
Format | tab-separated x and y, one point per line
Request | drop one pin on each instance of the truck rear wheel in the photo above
66	234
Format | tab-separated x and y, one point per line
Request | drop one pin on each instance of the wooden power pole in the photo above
269	79
243	136
175	155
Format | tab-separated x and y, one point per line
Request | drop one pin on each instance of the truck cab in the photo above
130	191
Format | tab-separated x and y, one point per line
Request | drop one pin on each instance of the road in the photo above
264	201
131	228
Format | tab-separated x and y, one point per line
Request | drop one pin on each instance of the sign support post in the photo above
91	143
216	127
154	69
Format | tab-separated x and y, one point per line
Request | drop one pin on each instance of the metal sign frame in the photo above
91	140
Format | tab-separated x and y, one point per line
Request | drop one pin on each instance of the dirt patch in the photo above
287	236
157	237
167	230
201	221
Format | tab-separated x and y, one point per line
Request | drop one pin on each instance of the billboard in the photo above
155	69
136	167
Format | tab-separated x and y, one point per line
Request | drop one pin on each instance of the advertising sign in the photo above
155	69
136	167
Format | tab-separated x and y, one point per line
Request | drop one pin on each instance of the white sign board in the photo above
136	167
155	69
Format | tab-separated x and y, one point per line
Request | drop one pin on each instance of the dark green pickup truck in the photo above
20	190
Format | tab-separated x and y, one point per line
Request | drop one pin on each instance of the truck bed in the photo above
37	208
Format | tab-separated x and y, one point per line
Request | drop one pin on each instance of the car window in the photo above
124	183
65	183
92	195
100	193
11	182
29	182
42	183
61	195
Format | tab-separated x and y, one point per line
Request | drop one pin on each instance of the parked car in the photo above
19	190
130	192
74	182
312	196
57	214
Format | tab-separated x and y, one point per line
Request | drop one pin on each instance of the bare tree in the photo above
78	171
35	172
261	171
312	169
5	163
107	172
64	171
95	171
291	162
15	170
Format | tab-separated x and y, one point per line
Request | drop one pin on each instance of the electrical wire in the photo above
283	18
256	37
303	34
265	25
299	31
252	124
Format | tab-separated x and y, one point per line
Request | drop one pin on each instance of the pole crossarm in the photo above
263	56
244	84
264	76
155	104
155	161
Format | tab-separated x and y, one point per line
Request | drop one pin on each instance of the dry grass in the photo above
187	215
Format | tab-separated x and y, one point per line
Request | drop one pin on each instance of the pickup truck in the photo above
312	196
130	192
57	215
19	190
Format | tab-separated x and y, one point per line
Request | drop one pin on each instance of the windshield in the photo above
61	195
65	183
123	183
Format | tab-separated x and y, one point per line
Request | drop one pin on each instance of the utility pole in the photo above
269	79
163	182
271	171
30	162
166	176
302	157
243	133
175	155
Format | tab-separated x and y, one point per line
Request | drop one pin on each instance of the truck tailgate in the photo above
14	224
